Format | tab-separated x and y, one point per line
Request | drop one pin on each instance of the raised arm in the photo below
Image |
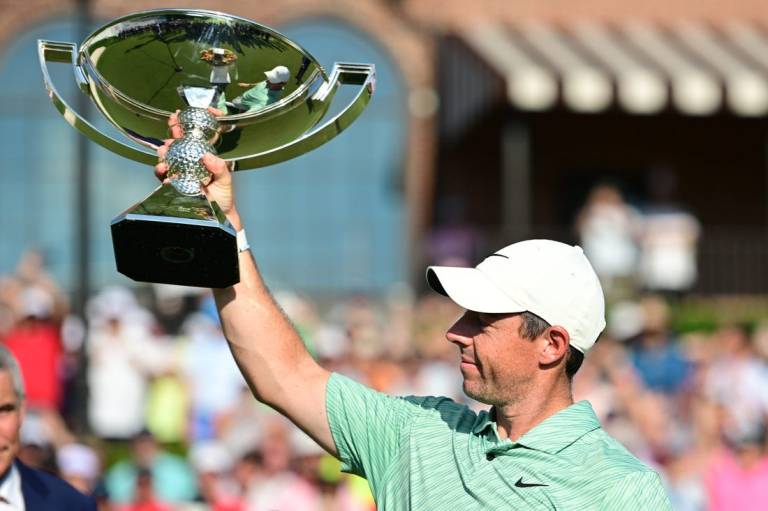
269	352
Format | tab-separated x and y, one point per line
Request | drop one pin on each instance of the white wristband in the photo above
242	241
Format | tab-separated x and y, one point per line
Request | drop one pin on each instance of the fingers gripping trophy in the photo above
185	70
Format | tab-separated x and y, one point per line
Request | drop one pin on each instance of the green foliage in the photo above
699	314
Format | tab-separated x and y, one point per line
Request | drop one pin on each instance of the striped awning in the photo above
642	68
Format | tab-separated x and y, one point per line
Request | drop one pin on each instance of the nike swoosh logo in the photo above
521	484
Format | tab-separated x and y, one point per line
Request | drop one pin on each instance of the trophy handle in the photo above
66	53
363	75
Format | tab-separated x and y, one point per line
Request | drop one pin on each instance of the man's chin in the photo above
473	392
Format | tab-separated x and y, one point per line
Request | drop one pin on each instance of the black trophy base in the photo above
170	238
170	252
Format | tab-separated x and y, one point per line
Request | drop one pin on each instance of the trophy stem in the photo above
185	170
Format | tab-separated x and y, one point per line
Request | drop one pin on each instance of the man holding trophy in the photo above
533	309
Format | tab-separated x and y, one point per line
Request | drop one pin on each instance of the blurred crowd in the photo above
688	403
169	423
652	247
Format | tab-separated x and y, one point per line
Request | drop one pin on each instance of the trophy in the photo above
243	91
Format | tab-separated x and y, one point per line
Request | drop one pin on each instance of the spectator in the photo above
213	464
207	359
669	239
123	354
737	382
36	343
31	273
608	229
660	364
248	470
145	498
738	478
79	465
23	487
687	471
278	488
171	478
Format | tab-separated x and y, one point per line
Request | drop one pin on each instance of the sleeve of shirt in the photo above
368	427
641	491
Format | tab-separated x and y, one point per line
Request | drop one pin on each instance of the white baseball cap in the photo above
550	279
278	74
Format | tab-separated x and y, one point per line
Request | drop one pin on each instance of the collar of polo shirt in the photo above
554	433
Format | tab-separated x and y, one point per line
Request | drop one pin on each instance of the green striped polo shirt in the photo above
431	453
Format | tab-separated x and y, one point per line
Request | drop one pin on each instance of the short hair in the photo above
9	363
573	362
533	326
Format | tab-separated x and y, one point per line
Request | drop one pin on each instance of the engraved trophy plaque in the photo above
243	91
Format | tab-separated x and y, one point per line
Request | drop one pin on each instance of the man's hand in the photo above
220	188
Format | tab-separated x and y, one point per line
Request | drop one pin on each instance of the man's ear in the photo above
556	342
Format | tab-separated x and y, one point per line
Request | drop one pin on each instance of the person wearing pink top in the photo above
738	479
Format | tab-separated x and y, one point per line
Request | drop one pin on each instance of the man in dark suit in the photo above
21	487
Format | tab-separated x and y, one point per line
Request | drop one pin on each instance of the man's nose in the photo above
461	332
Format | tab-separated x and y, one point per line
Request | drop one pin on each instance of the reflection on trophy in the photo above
243	91
261	94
